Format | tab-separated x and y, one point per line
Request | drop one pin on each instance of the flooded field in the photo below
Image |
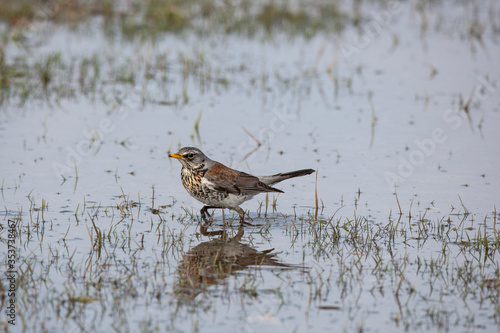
396	105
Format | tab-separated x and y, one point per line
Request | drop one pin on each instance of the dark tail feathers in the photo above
271	180
293	174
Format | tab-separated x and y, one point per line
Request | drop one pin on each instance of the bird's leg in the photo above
223	220
241	213
207	222
204	212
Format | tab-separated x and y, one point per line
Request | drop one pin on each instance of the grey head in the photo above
193	159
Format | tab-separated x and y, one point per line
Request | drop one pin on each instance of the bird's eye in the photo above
190	156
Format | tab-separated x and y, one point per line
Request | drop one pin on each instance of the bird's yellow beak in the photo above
175	155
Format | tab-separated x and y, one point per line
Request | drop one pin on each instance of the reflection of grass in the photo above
46	69
48	77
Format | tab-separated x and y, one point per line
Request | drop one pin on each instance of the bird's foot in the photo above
204	213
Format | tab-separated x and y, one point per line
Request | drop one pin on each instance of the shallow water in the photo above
109	240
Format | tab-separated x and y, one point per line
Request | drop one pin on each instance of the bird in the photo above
218	186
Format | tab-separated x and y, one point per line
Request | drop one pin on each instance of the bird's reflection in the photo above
211	262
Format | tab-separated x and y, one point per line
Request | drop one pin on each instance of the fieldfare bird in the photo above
218	186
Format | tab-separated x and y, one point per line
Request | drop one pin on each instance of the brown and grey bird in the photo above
218	186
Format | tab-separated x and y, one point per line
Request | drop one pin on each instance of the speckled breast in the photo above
192	181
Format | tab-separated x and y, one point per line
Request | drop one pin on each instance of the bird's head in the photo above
192	158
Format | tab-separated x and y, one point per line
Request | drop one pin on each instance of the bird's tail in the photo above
271	180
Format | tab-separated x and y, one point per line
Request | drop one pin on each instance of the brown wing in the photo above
236	182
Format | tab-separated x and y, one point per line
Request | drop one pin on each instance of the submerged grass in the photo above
50	79
157	258
53	77
148	18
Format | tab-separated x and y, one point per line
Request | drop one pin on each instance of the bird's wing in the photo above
228	180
